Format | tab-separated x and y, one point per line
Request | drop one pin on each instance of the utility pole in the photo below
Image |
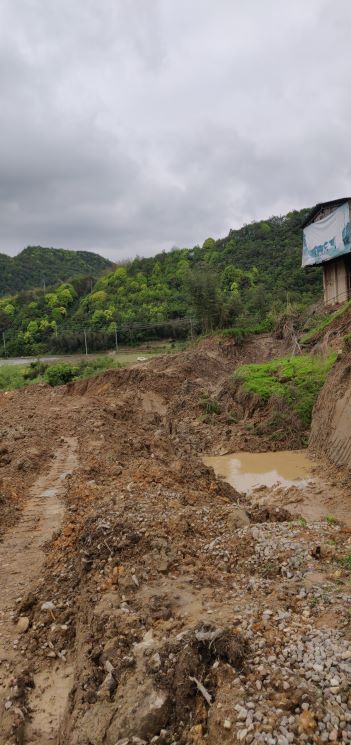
4	342
116	339
85	342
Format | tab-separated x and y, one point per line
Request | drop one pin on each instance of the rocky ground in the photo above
166	608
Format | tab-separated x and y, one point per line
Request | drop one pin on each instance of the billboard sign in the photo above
327	238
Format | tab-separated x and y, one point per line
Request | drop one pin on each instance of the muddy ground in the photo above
142	599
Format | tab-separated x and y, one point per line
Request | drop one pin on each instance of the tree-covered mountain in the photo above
37	265
245	279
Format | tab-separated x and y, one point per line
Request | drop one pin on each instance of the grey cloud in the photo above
127	127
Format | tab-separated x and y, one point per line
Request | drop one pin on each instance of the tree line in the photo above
242	281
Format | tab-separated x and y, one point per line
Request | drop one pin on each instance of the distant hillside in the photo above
245	280
36	264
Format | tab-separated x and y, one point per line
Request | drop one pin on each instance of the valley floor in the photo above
144	600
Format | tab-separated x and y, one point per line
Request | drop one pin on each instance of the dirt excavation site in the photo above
143	599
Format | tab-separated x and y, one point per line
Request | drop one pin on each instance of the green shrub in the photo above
36	369
65	372
61	373
296	380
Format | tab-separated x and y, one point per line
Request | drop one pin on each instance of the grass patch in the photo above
296	380
239	333
11	377
324	323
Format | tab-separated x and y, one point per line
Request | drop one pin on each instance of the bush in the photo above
61	373
36	369
64	372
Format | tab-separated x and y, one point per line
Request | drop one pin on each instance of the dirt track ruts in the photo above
21	550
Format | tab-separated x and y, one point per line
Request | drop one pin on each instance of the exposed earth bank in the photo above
166	608
331	426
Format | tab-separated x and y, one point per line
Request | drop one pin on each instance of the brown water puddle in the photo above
248	471
287	479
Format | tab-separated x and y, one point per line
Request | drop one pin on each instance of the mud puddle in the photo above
287	479
249	471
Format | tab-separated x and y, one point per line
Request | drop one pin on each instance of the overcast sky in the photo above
130	126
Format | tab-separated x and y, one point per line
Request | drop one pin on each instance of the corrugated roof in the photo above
318	206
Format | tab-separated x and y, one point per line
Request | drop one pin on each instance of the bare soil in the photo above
331	430
143	599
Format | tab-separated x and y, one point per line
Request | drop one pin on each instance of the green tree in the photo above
209	243
204	294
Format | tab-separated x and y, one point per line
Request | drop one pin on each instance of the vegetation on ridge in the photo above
242	281
36	265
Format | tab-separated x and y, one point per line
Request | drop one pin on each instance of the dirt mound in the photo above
191	396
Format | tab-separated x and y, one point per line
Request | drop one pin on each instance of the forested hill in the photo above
272	246
37	264
244	281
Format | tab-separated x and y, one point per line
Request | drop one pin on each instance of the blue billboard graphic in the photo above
327	238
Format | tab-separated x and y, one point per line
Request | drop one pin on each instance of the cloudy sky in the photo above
130	126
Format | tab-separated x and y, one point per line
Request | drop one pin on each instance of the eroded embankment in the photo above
331	425
187	614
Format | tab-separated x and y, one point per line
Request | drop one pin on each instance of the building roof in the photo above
315	210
